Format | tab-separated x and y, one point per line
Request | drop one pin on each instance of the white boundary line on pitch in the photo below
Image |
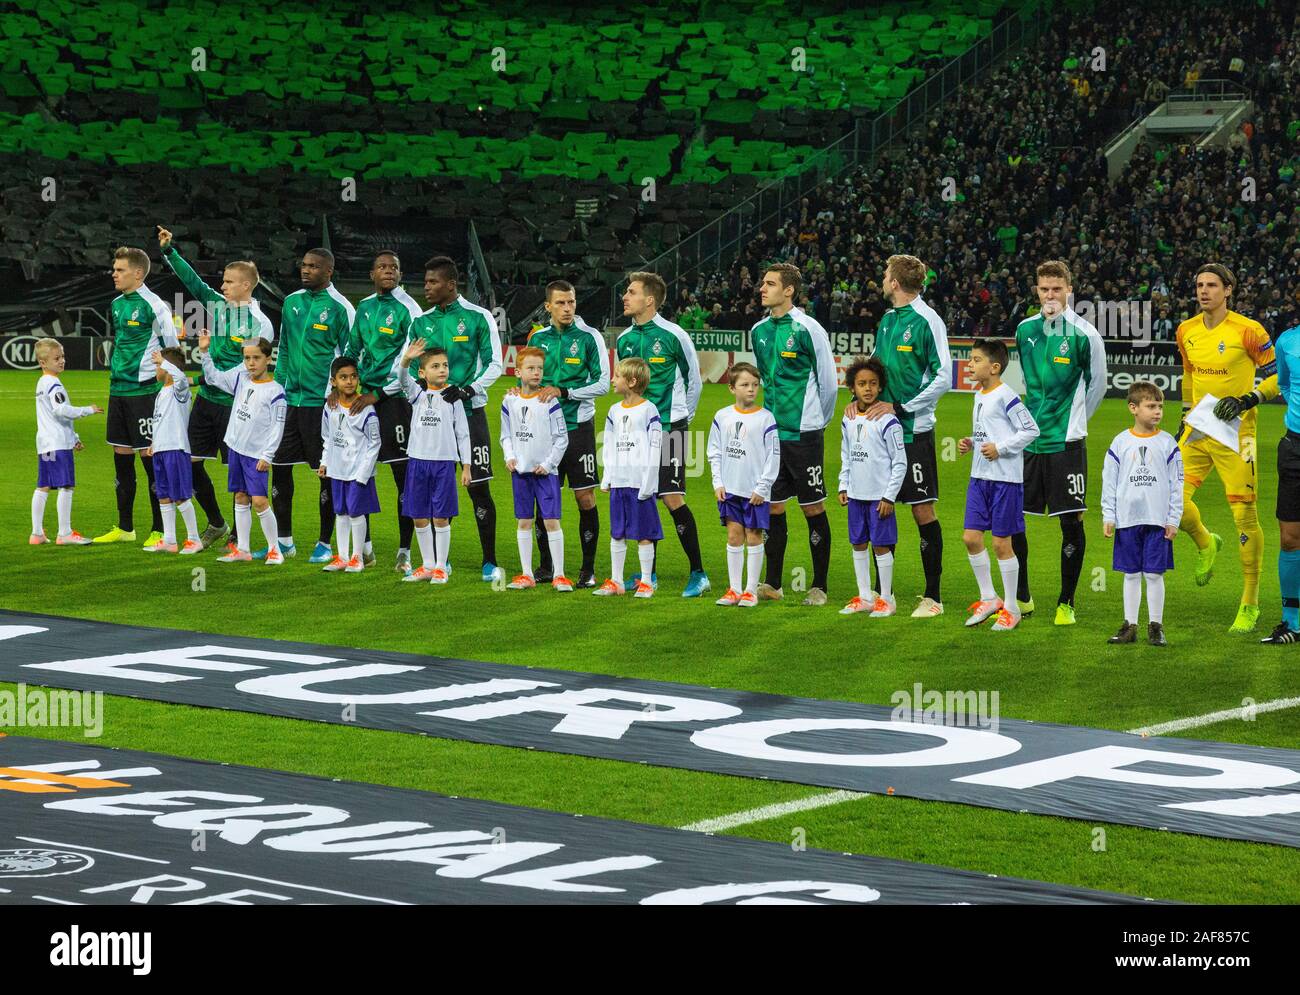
765	812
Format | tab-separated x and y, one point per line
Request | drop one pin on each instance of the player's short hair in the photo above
262	345
652	283
247	269
46	346
789	275
1055	268
908	271
341	363
861	363
135	258
738	368
386	252
995	349
558	287
1144	390
636	370
1219	270
429	354
527	352
445	266
323	253
174	356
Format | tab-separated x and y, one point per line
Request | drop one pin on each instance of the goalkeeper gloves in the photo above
453	394
1230	407
1182	423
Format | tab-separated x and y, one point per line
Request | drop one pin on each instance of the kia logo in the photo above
19	352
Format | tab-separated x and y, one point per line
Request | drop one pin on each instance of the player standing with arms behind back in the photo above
1221	351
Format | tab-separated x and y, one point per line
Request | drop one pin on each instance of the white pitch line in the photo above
1210	718
724	822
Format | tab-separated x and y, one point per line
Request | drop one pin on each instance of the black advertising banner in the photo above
1212	789
86	825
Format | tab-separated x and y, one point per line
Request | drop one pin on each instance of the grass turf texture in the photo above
1040	672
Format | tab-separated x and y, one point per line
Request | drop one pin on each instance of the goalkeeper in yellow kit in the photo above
1221	351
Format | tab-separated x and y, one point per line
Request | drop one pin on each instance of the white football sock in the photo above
343	526
885	564
1010	581
979	562
1155	598
556	541
186	508
64	505
735	567
168	510
754	556
1132	597
39	497
266	519
862	571
424	538
617	555
525	542
646	553
243	526
442	545
359	536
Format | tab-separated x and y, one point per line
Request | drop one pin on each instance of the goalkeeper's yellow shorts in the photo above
1236	470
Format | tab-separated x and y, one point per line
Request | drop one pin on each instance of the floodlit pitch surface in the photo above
1039	672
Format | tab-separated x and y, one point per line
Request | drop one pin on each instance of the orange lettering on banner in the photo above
71	783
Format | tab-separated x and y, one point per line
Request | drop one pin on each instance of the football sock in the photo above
485	516
442	545
266	519
646	553
819	543
243	526
1074	544
862	571
589	536
735	567
206	494
754	556
359	535
555	540
63	504
39	497
617	554
979	562
1288	575
885	564
1010	568
777	536
684	521
344	525
169	523
543	546
327	511
1191	522
1020	544
186	508
1155	597
932	557
1250	539
405	524
282	497
424	536
124	483
1132	597
155	508
525	540
367	546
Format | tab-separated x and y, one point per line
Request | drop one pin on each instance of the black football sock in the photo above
774	549
932	557
819	543
282	497
1020	546
684	521
544	562
1073	546
206	494
124	483
154	506
405	525
589	535
326	513
485	516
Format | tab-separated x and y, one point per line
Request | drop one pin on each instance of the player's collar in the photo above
639	401
1144	435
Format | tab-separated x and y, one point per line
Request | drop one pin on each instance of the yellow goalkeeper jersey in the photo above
1222	361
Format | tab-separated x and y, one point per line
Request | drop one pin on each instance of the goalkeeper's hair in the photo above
247	269
636	371
908	271
861	363
995	350
445	267
1145	390
1219	270
135	258
1055	269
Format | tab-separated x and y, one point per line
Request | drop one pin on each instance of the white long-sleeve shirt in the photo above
1001	418
350	443
439	431
533	432
1142	480
171	413
744	451
873	459
55	416
631	446
256	422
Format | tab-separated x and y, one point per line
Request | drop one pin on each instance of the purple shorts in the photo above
534	493
996	506
354	499
738	509
173	475
866	525
1143	549
244	477
430	490
55	469
632	518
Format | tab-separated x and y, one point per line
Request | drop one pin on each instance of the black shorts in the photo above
480	444
1288	478
672	459
394	426
921	482
208	421
1057	481
130	421
301	442
803	470
578	467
